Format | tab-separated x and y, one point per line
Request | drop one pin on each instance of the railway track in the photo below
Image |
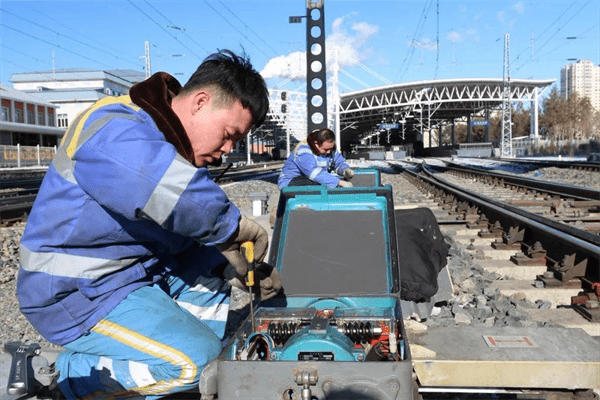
17	194
550	275
548	285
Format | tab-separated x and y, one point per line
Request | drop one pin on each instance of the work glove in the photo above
348	173
267	280
345	184
248	231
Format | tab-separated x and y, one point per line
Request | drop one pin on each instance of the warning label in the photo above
509	341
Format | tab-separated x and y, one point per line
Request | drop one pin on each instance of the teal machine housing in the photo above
336	332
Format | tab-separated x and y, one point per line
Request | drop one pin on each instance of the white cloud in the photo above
292	66
352	48
473	32
519	7
500	16
454	37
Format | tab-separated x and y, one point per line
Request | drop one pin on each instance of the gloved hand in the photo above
248	230
345	184
348	173
267	277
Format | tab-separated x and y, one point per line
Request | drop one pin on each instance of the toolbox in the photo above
337	330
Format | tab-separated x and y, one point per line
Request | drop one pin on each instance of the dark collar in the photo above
154	95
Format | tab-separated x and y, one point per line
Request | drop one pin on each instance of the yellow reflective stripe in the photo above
155	349
100	103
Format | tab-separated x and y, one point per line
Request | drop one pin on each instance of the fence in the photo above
26	156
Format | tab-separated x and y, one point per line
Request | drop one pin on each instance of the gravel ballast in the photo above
475	304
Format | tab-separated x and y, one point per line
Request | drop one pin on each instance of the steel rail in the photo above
565	190
554	163
585	244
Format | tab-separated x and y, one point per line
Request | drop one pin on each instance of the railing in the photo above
26	156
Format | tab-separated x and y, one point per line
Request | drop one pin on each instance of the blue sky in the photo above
380	42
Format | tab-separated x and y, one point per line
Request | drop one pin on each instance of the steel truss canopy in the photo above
437	101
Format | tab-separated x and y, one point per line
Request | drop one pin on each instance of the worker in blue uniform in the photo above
315	161
130	250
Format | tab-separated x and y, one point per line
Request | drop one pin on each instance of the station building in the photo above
28	120
75	89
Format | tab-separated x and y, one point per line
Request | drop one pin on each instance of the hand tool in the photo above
247	249
18	380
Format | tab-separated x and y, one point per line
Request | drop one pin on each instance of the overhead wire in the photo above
42	73
578	36
556	33
235	27
546	30
55	45
172	23
74	31
163	28
418	32
267	44
68	37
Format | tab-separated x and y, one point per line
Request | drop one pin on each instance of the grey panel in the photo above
334	252
366	179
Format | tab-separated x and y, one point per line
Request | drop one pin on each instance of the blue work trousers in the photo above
155	342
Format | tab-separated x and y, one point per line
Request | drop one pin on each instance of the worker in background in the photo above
130	250
315	161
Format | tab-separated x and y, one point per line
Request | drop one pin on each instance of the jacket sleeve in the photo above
340	163
129	169
306	162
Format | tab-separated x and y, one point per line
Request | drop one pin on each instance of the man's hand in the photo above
348	173
248	230
267	276
345	184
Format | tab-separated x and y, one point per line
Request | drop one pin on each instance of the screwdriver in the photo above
247	249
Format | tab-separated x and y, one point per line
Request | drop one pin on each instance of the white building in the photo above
27	119
74	90
583	78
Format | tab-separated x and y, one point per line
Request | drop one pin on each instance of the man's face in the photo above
214	127
325	147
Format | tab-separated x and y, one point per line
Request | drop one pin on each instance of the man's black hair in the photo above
236	79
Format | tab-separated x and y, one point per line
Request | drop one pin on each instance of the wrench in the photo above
18	379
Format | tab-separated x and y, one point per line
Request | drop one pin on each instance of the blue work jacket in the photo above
115	209
324	169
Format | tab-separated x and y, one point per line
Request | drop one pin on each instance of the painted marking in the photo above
509	341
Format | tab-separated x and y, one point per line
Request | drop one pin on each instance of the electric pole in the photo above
506	150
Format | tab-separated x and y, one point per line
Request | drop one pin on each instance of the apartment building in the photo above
583	78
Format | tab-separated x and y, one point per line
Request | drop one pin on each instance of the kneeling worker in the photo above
314	161
130	250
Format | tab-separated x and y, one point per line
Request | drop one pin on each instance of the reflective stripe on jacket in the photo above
115	207
324	169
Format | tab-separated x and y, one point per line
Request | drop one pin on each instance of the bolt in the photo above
361	357
273	356
395	387
548	274
539	284
592	304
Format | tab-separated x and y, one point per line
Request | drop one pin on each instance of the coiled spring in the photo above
281	332
358	331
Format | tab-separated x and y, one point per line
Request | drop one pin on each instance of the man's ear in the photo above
199	100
